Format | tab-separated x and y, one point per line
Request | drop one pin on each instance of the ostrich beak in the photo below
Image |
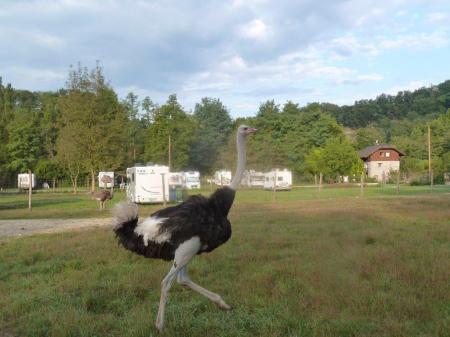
251	130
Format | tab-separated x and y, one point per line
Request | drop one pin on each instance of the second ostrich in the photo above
178	233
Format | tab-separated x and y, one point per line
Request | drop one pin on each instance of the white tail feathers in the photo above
123	212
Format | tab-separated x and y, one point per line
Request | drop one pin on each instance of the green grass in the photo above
48	205
344	266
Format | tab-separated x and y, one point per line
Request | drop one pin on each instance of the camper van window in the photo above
280	178
132	177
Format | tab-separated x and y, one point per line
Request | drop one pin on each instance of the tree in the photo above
368	136
93	120
170	121
213	128
315	161
341	159
24	146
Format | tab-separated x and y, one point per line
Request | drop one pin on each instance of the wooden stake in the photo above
274	187
398	182
361	192
30	188
320	182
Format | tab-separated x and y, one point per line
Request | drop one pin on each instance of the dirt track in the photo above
28	227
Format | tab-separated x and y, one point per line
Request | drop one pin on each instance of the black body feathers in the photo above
198	216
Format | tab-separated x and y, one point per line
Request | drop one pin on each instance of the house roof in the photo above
365	153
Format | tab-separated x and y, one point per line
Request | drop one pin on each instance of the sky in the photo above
243	52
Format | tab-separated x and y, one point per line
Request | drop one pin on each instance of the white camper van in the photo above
253	179
177	179
278	179
192	179
23	181
145	184
101	182
222	178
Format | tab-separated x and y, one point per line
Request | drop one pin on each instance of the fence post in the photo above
274	187
30	188
398	182
362	185
320	182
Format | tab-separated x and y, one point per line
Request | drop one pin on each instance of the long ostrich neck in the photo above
241	161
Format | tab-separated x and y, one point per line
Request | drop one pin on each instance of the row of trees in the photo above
84	128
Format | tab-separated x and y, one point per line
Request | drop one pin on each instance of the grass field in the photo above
338	265
48	205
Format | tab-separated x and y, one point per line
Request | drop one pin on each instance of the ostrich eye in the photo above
245	129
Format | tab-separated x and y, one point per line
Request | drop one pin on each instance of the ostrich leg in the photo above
184	253
183	279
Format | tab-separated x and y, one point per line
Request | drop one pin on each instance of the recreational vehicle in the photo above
177	179
145	184
278	180
103	181
23	181
222	178
253	179
192	179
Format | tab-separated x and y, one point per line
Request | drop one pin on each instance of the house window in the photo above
388	154
381	154
379	164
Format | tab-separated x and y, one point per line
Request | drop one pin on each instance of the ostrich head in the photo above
245	130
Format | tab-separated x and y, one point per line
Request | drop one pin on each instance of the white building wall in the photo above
375	169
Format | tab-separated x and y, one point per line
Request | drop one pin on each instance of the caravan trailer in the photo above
222	178
145	184
177	179
253	179
23	181
281	180
192	179
101	183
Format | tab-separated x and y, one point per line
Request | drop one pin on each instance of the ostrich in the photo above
102	196
180	232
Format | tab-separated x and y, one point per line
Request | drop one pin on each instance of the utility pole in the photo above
430	172
170	154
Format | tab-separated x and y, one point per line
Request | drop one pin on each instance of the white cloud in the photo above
255	29
410	86
437	17
435	39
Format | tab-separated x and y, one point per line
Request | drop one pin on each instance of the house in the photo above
380	160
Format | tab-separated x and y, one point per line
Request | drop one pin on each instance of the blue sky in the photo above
241	51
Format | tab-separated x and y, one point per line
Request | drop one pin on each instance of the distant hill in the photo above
422	104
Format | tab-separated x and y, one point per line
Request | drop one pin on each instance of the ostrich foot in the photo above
159	324
222	305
